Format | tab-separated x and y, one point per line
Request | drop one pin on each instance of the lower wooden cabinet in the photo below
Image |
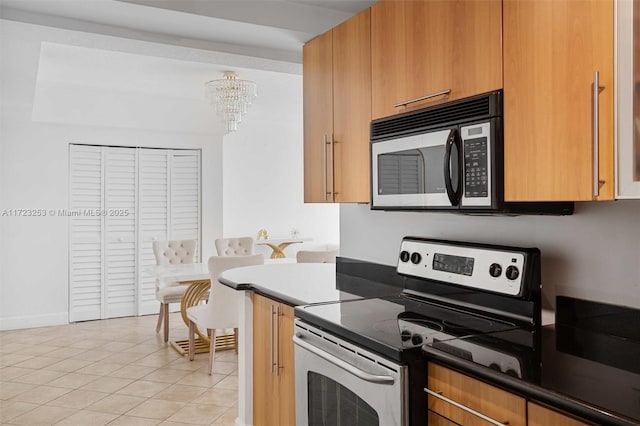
457	399
541	416
447	385
273	368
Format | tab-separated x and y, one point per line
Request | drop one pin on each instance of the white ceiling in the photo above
271	29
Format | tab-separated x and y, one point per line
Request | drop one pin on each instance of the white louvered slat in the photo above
85	240
120	225
185	196
153	220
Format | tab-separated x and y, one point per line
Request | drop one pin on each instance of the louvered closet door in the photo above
185	197
86	231
154	219
120	296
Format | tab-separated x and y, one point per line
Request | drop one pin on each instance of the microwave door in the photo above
409	173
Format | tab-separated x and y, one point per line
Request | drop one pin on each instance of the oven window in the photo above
331	404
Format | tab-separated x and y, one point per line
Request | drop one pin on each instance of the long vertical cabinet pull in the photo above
277	340
271	334
596	136
324	170
333	169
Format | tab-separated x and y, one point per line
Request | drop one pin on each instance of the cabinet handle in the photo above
333	169
465	408
432	95
271	357
596	130
324	170
277	340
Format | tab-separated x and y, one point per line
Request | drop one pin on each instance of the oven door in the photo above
418	171
340	384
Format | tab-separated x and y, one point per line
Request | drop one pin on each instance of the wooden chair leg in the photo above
235	339
160	314
166	322
212	350
192	343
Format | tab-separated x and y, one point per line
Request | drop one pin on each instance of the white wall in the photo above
42	112
263	170
593	254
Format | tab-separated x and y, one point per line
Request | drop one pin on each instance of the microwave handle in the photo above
454	195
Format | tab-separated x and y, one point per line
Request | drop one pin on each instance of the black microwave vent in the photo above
464	110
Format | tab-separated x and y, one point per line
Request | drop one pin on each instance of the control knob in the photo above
512	272
405	335
415	257
416	339
495	270
404	256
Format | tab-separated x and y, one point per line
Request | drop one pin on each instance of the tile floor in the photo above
112	372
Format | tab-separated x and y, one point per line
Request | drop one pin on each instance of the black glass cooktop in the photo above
391	325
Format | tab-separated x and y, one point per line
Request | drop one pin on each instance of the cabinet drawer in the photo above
478	396
541	416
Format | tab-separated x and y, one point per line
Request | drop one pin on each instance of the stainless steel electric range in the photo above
361	362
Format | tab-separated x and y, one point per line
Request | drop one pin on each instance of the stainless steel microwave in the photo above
445	157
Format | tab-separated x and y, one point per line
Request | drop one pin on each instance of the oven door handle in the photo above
454	195
373	378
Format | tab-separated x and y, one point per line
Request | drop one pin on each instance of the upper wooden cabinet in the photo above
420	48
555	146
337	113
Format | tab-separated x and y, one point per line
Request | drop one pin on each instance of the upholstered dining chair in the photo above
241	246
316	256
221	311
175	252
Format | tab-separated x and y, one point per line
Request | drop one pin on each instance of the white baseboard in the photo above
31	321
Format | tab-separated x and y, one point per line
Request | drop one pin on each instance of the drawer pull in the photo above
438	394
422	98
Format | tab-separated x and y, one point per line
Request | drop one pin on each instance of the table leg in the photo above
278	250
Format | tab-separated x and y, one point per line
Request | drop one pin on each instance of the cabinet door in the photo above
317	75
493	402
551	51
264	386
429	46
352	108
286	370
540	416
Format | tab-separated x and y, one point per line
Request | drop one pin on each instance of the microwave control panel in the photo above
477	173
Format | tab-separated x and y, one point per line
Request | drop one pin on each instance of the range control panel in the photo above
491	269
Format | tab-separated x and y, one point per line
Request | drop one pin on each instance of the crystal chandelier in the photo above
231	97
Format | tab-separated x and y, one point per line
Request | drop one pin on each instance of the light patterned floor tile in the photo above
107	384
11	409
12	359
78	399
41	394
116	404
201	378
181	393
10	373
65	353
92	355
222	397
37	350
229	382
100	368
132	372
198	414
68	365
134	421
39	377
72	380
85	418
227	419
43	415
143	388
166	375
9	390
156	409
37	362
